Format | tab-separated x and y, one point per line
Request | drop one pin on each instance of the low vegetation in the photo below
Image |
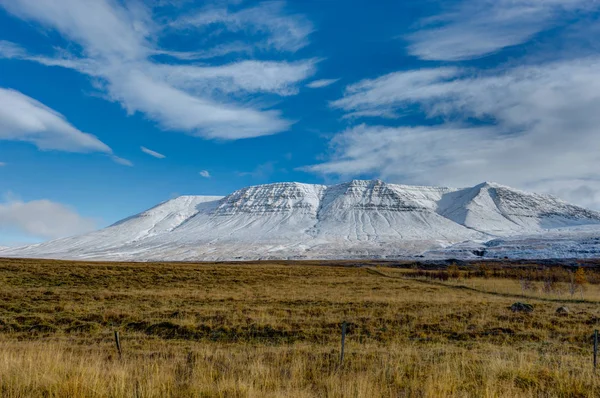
273	330
559	282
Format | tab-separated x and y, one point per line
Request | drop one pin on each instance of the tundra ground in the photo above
273	330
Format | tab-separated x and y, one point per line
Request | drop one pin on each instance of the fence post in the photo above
118	342
595	349
344	326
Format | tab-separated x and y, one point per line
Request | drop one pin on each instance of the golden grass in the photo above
560	293
511	286
215	330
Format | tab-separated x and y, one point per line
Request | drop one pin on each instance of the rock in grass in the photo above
562	311
521	307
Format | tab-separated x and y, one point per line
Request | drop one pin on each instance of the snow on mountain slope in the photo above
273	198
502	211
543	211
160	219
572	243
273	215
352	220
374	210
163	218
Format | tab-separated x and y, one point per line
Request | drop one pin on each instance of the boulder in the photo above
562	311
521	307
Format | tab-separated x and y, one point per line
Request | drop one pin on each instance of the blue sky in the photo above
108	107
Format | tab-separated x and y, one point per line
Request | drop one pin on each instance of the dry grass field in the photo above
273	330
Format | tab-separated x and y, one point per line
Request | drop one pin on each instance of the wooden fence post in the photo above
595	349
118	342
344	326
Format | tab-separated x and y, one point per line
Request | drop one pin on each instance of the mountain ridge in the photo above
359	218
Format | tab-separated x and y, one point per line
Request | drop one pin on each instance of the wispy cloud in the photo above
321	83
2	164
42	219
122	161
178	110
533	126
268	20
152	153
219	50
386	95
11	50
472	29
204	173
262	171
239	77
118	45
24	119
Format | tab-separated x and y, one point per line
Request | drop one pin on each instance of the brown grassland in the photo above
273	330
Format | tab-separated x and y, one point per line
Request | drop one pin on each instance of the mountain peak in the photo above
491	184
366	182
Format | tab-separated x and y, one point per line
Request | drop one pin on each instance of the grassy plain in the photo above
273	330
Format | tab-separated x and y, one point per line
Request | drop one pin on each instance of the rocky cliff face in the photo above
273	198
293	220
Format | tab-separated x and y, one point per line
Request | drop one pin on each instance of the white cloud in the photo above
24	119
214	52
152	153
11	50
321	83
281	31
205	174
532	127
103	27
177	110
473	29
122	161
2	164
384	95
244	76
584	192
42	219
117	44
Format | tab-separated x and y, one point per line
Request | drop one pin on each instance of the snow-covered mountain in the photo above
358	219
